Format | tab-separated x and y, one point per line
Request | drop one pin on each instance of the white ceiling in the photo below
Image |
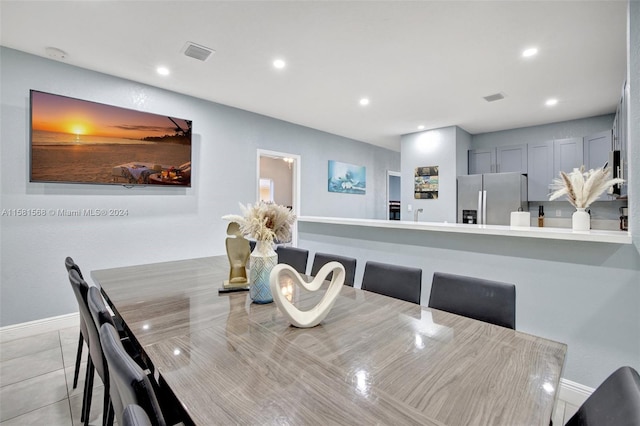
420	62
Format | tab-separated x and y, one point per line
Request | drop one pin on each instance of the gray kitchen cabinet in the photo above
540	170
546	160
482	161
567	155
596	153
512	158
501	159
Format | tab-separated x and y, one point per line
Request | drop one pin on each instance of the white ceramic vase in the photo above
581	220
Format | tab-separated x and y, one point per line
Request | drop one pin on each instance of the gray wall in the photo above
162	224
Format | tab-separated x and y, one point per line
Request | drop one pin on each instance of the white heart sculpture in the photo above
312	317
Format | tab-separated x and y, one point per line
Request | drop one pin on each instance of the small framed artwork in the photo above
347	178
426	183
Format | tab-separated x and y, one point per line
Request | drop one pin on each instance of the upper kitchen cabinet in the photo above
546	160
482	161
596	153
512	158
567	155
540	167
596	149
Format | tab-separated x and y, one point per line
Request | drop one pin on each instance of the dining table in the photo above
372	360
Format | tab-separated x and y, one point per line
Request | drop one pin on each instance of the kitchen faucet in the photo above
415	214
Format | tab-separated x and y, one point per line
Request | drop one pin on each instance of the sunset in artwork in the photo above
73	140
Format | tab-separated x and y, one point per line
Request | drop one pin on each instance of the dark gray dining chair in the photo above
83	337
129	384
134	415
349	263
616	402
293	256
484	300
95	361
400	282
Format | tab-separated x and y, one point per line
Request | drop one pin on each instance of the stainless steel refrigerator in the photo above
490	198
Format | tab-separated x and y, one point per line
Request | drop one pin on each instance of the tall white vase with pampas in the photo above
581	189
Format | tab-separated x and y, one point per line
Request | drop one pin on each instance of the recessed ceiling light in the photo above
364	101
551	102
279	63
162	70
421	127
530	52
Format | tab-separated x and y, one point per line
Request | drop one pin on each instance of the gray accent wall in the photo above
161	223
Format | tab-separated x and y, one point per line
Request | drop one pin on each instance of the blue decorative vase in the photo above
261	262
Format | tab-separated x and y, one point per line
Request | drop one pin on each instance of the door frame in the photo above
295	184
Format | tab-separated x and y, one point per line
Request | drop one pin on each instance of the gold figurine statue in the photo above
238	251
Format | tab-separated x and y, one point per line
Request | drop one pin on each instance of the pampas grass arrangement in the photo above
265	222
583	188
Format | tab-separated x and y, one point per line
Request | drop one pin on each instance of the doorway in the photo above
278	181
393	195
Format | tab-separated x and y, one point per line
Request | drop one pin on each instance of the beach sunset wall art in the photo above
78	141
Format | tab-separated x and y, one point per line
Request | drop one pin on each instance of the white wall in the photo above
435	147
162	224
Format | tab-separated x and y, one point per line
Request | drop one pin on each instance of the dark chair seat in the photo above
484	300
293	256
616	402
349	263
400	282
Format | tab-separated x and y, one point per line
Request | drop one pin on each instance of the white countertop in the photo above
615	237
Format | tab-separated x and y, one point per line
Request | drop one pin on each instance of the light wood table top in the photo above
373	360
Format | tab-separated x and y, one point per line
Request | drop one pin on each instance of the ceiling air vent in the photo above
196	51
494	97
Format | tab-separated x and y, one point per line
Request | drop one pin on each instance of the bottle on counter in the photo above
540	216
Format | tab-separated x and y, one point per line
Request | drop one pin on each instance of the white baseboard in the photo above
570	392
32	328
573	393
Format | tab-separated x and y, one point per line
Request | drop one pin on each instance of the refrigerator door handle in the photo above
484	207
479	218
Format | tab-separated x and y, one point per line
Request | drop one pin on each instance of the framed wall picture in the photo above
426	183
347	178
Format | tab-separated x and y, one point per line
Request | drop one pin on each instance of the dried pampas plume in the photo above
583	188
265	221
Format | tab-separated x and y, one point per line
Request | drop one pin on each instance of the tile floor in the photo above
36	379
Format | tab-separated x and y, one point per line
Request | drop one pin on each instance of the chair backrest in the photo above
100	315
128	383
134	415
400	282
81	290
615	402
70	264
293	256
349	263
483	300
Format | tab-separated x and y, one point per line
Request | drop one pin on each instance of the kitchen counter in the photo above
614	237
